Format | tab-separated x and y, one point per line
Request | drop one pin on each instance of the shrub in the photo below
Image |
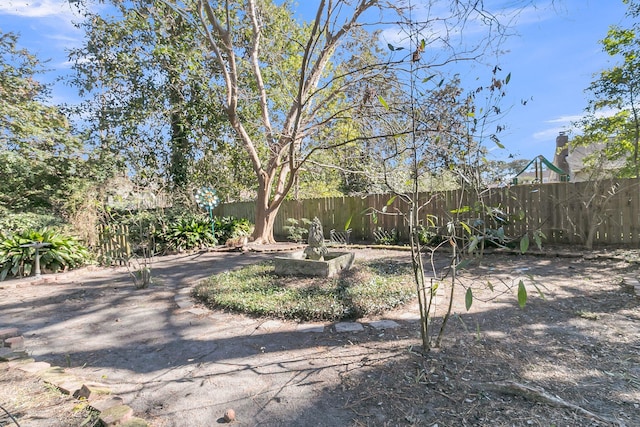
20	222
228	227
141	225
296	232
187	233
172	230
64	252
429	236
385	237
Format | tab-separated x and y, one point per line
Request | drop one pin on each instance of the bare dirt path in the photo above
183	365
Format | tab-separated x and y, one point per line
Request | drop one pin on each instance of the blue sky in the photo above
552	59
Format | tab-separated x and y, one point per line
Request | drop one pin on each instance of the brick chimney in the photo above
560	158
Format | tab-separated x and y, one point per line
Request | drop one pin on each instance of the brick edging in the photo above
112	410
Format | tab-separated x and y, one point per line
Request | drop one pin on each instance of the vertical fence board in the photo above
557	209
634	217
114	244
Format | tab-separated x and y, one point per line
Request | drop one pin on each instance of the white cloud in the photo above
566	119
53	20
437	23
567	124
530	14
37	8
550	134
560	124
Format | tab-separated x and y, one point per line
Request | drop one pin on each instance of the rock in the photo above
104	404
16	364
7	354
34	367
91	391
384	324
229	415
348	327
57	377
116	415
15	343
134	422
8	333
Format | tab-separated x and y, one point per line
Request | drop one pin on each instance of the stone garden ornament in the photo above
316	249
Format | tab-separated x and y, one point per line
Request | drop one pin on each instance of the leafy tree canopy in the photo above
612	122
39	157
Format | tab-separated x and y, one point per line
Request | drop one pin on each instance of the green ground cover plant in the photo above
369	288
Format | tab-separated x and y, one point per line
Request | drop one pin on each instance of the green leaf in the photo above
466	227
391	47
426	79
537	237
524	244
383	102
434	288
463	209
463	264
539	290
348	223
391	200
473	244
468	299
507	79
522	294
490	286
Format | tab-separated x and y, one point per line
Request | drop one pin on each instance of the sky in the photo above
552	59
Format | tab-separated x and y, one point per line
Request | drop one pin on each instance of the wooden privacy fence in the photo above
565	212
114	244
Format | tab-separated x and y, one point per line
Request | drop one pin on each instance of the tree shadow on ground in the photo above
185	367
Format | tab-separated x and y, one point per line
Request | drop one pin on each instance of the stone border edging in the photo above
112	410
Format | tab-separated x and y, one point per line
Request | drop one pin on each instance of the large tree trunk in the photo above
265	221
266	212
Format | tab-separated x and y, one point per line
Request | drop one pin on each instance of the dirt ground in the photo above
571	358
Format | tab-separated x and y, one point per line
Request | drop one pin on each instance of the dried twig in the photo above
538	394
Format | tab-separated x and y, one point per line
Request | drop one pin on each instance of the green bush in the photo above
174	230
142	224
18	222
186	233
64	252
385	237
228	227
297	230
429	236
367	289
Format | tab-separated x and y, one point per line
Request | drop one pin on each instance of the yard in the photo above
571	358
